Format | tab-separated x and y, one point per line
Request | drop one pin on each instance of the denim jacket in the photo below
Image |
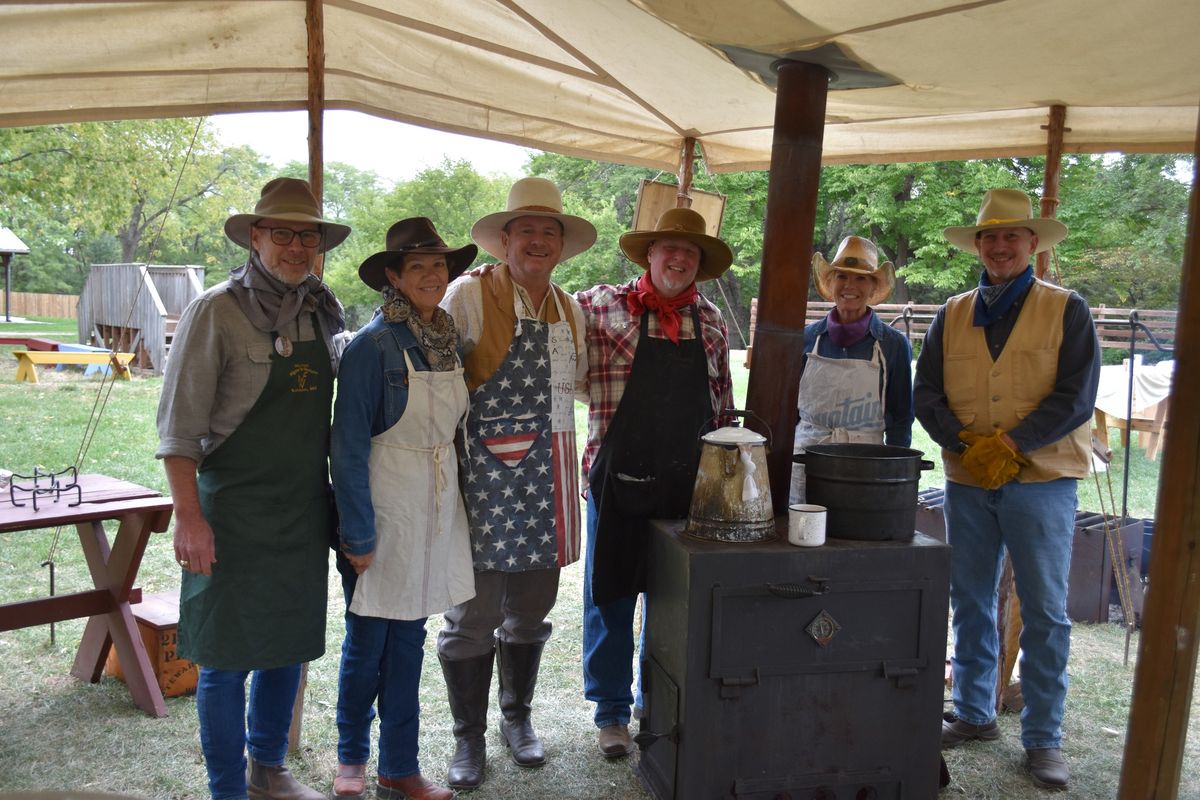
897	361
372	395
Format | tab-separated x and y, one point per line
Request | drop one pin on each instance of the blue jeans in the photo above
608	645
228	728
381	662
1036	523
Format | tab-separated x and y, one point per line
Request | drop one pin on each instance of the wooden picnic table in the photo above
26	361
139	511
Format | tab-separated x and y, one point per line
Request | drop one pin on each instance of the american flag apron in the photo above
519	469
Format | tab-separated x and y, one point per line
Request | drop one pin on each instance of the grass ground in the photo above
59	733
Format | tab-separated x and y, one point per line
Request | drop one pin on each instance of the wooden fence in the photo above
1112	324
30	304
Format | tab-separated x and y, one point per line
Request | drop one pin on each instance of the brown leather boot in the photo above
518	676
350	781
414	787
468	683
275	783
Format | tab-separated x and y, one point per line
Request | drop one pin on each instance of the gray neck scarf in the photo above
270	304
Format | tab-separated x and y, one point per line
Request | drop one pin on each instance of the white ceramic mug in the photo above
806	525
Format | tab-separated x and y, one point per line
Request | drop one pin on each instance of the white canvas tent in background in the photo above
638	81
628	80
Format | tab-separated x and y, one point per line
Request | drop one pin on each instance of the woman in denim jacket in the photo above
404	547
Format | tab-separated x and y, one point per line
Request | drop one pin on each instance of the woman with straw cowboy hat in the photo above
404	551
856	379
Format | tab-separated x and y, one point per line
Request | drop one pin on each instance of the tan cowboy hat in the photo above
536	197
1007	208
861	257
686	224
290	200
411	236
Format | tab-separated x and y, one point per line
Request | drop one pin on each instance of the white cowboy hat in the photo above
1007	208
686	224
290	200
861	257
534	197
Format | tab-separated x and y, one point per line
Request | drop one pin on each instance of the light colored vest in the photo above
987	395
499	320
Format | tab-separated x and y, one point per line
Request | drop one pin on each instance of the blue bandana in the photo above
993	301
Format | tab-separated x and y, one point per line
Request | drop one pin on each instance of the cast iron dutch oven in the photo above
870	490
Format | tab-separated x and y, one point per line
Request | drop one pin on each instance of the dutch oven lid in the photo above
733	436
856	450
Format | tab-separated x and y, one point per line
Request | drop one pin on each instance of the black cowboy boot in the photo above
468	683
518	675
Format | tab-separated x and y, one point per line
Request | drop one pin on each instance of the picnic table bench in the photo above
28	359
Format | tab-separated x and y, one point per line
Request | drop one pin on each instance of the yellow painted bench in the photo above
26	361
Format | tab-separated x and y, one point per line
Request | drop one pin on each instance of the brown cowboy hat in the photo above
289	200
536	197
410	236
1007	208
861	257
686	224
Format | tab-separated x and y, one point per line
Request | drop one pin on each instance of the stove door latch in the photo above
905	677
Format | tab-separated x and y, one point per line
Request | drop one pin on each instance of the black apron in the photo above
646	466
265	493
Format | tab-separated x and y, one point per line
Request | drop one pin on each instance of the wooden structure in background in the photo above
655	197
133	307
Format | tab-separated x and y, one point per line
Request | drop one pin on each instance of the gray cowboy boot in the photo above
518	676
468	683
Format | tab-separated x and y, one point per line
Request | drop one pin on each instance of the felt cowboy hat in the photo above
686	224
861	257
536	197
411	236
289	200
1007	208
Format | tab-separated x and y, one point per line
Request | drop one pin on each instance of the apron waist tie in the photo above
440	454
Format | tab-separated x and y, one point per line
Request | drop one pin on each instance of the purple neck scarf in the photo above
850	333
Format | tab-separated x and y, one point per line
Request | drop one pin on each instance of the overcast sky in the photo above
392	150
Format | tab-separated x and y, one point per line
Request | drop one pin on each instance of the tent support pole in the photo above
787	249
687	163
314	20
1054	144
1167	648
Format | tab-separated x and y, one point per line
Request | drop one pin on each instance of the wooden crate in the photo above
158	621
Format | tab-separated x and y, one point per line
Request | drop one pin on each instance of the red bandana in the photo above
644	296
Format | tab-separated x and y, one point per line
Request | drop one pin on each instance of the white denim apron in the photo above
422	561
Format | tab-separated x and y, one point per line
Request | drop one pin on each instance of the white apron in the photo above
422	563
841	400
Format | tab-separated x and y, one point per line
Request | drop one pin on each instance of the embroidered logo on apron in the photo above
301	373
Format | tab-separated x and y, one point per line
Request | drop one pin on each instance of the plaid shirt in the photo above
612	339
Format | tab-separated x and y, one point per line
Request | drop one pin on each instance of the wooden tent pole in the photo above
1166	664
1054	144
787	248
314	21
687	163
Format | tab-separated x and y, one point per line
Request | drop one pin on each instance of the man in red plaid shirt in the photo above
658	356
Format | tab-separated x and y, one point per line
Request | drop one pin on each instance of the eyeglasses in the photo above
284	236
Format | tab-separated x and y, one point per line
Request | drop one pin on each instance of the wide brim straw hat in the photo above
686	224
534	197
289	200
1007	208
415	235
861	257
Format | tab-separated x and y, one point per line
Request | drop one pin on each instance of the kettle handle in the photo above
736	412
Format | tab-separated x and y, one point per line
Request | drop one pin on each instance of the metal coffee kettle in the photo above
731	501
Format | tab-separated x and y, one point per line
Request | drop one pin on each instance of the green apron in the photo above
264	491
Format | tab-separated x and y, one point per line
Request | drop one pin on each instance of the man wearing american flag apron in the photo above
525	357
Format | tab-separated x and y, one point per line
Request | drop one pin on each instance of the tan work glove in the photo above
989	460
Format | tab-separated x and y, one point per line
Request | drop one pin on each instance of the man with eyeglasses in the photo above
243	426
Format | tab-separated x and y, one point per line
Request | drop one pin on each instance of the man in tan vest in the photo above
525	357
1006	384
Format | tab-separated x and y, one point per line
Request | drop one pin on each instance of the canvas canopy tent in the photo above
635	81
628	80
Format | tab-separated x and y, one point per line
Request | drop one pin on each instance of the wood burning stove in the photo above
773	671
